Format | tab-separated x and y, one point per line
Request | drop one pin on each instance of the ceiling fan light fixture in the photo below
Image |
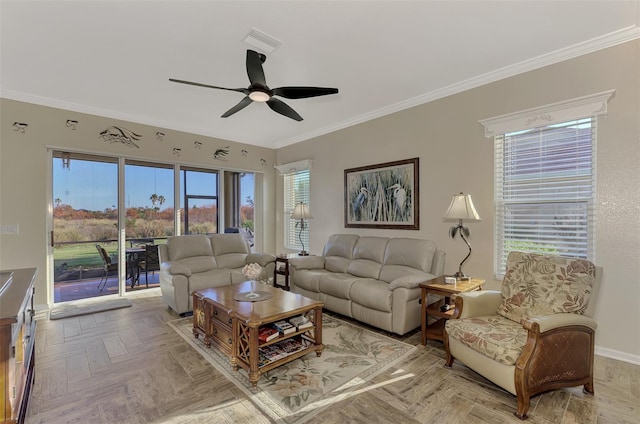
259	96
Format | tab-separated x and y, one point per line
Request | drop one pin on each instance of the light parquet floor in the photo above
129	366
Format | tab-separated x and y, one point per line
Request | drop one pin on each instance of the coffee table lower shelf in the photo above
248	357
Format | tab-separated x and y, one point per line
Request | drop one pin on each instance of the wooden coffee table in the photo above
232	325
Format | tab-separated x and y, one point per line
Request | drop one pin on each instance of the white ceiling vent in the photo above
262	41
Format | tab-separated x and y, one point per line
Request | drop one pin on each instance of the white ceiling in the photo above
114	58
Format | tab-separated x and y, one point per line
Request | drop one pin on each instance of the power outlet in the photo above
9	229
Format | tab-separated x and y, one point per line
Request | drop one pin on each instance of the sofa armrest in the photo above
477	303
437	267
307	262
262	259
550	322
175	269
408	281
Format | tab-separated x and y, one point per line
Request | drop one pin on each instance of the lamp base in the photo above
303	253
461	276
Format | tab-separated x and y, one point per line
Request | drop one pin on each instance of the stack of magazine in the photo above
301	322
282	349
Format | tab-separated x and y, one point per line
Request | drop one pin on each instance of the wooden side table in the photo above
282	270
447	293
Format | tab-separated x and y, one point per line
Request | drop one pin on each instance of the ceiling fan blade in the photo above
283	109
254	68
197	84
303	92
243	103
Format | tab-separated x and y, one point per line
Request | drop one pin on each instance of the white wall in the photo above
25	172
455	156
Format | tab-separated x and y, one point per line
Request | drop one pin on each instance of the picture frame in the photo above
384	195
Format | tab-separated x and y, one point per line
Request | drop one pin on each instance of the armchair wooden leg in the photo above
523	407
450	358
588	388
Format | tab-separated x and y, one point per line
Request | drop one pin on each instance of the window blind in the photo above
544	188
296	190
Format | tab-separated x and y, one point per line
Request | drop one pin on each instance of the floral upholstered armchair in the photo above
536	334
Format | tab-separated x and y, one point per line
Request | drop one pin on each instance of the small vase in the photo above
253	294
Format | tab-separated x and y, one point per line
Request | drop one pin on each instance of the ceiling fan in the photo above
258	91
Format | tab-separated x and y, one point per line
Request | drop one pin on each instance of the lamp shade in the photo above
461	208
301	211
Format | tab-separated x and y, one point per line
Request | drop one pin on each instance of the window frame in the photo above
294	193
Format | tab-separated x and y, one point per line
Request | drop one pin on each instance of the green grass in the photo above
84	254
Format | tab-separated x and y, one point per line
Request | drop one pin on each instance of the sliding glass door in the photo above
109	215
85	226
149	219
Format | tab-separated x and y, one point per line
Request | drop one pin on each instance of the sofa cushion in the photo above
537	285
231	260
340	245
336	284
222	244
338	252
413	253
493	336
188	246
196	264
308	278
212	278
374	294
368	255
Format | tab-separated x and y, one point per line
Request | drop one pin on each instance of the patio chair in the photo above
108	265
151	261
535	335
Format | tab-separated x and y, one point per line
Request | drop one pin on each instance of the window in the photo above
199	202
545	190
239	200
545	179
296	190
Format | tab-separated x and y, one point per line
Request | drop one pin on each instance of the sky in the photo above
94	185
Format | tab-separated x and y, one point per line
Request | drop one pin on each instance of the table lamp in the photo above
461	209
301	212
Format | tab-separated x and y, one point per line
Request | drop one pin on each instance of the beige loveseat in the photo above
194	262
372	279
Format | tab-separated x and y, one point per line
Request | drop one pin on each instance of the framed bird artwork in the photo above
383	195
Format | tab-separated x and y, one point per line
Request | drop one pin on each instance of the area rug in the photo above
297	391
66	311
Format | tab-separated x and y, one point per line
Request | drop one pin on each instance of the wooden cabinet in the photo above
17	343
213	323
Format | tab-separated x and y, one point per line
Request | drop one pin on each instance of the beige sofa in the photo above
372	279
195	262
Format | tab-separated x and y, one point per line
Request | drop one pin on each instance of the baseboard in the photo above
616	354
